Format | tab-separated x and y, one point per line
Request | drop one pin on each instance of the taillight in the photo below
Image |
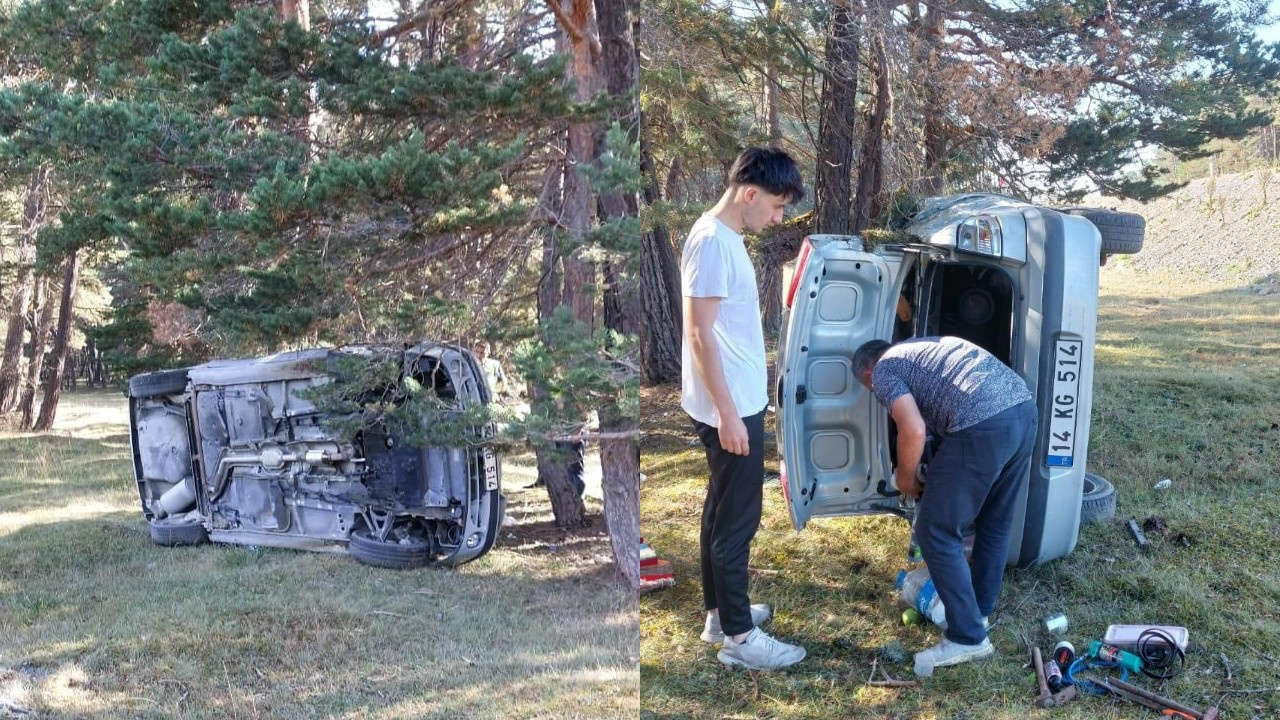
805	247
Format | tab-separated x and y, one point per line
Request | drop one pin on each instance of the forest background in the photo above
886	102
183	180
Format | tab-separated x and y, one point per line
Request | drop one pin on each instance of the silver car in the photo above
1016	278
237	451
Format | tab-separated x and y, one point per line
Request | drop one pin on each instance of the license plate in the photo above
490	470
1065	405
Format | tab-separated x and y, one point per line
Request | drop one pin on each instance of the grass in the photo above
97	622
1187	388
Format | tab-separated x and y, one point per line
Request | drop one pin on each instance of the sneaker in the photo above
759	651
951	653
712	633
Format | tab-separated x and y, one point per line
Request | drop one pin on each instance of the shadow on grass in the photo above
112	626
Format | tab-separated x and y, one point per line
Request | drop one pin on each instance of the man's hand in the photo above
733	435
909	486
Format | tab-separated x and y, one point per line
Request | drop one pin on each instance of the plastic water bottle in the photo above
915	589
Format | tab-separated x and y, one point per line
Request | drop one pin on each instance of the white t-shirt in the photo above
715	263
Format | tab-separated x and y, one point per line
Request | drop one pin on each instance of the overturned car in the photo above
1016	278
245	451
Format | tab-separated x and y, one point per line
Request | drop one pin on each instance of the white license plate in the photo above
490	470
1065	405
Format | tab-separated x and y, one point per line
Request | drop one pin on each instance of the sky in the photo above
1271	33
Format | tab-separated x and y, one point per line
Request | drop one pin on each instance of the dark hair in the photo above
866	357
770	169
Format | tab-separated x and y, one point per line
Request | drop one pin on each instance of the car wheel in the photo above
161	382
171	532
1122	232
1099	501
412	552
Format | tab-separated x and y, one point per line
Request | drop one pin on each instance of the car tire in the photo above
172	533
366	549
1122	232
161	382
1099	501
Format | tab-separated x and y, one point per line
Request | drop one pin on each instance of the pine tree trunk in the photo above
300	12
772	111
580	289
660	280
561	475
619	450
44	312
935	139
832	193
871	164
553	472
663	323
620	459
61	344
33	216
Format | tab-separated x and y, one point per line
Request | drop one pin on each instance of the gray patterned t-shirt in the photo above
955	383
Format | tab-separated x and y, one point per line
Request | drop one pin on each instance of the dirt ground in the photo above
1225	230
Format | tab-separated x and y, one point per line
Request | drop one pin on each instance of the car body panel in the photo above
1037	294
831	467
271	468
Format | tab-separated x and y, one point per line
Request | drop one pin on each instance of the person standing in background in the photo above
492	368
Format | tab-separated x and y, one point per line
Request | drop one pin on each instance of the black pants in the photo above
730	518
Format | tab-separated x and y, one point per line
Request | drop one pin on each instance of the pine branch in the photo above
430	14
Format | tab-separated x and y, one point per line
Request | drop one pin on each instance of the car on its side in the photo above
243	451
1017	278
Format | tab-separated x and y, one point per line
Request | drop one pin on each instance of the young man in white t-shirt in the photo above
724	391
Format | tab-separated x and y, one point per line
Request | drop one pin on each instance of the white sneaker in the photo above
712	633
759	651
951	653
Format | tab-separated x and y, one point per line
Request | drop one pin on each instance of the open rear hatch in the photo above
830	428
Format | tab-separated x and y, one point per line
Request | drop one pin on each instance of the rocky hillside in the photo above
1225	230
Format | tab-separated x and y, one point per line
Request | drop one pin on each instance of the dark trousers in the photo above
974	479
730	518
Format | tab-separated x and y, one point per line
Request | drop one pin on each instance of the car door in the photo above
830	428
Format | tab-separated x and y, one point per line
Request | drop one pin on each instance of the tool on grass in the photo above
1166	706
1047	699
1137	533
1123	694
1102	651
